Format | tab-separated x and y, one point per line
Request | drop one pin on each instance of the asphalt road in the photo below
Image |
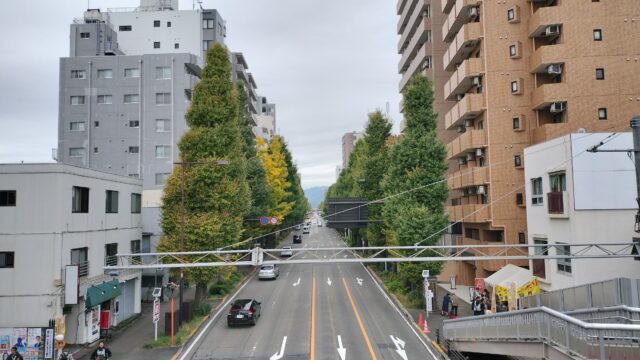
328	311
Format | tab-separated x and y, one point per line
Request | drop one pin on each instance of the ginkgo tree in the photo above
277	176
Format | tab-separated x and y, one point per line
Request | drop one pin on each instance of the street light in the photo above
182	211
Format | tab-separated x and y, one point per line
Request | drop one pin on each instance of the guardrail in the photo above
574	337
620	314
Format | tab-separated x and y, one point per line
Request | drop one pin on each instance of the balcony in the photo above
472	176
404	11
470	213
470	107
83	268
545	16
550	131
462	45
400	8
447	5
419	39
557	204
466	142
547	55
460	14
463	79
416	65
546	94
412	24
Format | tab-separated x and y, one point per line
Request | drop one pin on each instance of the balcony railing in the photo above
463	78
467	142
83	268
459	15
462	45
469	107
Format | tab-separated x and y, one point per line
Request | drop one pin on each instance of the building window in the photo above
602	113
168	23
96	150
134	149
163	151
135	249
76	152
131	98
208	23
516	123
513	50
176	46
96	124
599	74
522	239
80	200
134	123
136	203
132	73
163	98
163	72
6	259
558	182
80	257
125	28
112	202
514	87
538	264
161	178
78	74
105	99
7	198
511	14
519	199
206	44
110	251
77	100
105	73
536	191
163	125
597	35
77	126
156	23
517	160
85	35
156	44
564	265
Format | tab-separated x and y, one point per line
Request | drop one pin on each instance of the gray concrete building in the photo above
348	143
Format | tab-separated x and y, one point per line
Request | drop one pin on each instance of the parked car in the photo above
286	251
297	238
298	227
244	311
305	229
269	272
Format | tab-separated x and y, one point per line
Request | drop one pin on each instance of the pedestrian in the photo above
445	305
477	306
101	353
15	355
454	306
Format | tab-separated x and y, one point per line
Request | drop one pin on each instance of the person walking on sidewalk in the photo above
101	353
15	355
454	306
445	305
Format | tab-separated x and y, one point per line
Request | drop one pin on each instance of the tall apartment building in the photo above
518	72
348	143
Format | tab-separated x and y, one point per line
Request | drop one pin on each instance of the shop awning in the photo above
509	273
98	294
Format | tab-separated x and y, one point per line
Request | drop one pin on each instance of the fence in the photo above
621	314
577	338
614	292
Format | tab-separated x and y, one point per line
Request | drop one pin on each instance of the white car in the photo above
298	227
286	251
268	272
305	229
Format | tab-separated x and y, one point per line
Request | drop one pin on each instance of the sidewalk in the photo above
128	343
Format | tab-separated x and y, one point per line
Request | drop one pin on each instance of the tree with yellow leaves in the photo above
277	173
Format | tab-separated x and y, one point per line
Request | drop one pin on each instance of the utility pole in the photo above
635	128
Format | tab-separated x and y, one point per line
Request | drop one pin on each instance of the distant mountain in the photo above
315	195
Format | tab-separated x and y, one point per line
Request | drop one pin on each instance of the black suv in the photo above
244	311
297	239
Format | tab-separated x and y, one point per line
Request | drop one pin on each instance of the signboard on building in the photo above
156	310
71	285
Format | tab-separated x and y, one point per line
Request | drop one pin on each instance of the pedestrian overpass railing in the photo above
576	338
620	314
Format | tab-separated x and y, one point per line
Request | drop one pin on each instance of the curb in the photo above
204	319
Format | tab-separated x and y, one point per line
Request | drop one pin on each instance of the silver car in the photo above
286	251
269	272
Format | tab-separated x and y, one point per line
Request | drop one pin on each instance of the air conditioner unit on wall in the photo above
470	156
472	191
481	190
554	69
461	129
476	80
473	11
462	161
468	123
552	30
459	97
556	107
479	152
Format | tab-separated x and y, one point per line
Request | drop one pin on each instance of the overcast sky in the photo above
325	64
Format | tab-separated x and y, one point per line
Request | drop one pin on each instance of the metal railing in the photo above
620	314
83	268
574	337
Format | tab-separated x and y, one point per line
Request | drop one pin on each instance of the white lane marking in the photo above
359	281
399	313
342	351
329	281
345	256
297	282
214	317
399	346
278	356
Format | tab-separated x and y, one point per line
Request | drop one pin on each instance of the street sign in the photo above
425	273
156	311
274	220
264	220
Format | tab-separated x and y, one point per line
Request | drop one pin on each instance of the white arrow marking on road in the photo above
329	281
345	256
359	281
297	282
341	350
278	356
399	346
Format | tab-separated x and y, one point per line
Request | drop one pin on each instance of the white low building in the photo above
53	216
575	197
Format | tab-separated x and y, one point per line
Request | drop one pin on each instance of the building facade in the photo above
577	197
349	141
56	216
518	72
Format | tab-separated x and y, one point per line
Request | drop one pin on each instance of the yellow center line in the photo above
355	311
312	352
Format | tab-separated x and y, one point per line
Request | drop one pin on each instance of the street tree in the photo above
277	176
